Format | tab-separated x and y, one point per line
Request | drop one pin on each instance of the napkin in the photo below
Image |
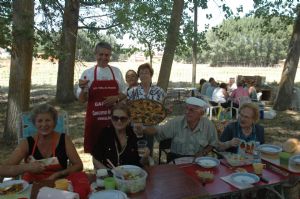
51	193
229	180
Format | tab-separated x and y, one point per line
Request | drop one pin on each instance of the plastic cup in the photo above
258	168
142	144
284	158
109	183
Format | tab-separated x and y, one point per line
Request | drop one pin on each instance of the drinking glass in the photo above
142	145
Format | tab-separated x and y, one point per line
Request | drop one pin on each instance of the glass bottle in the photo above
256	153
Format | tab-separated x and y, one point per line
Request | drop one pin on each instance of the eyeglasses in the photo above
117	118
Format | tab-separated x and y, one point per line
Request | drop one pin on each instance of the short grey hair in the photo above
103	44
44	108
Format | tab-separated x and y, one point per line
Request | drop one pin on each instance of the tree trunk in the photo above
150	53
195	43
65	77
21	65
171	43
285	89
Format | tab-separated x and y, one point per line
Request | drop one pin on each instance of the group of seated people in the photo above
225	93
192	134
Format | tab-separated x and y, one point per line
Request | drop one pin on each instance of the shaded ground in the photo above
44	76
285	125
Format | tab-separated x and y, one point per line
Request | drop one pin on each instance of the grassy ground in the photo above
285	125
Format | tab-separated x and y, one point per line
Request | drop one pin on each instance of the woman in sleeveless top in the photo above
52	149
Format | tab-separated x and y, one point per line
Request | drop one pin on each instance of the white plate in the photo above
296	159
244	178
207	162
109	194
183	160
12	182
270	149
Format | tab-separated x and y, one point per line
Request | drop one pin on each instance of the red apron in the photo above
98	115
49	169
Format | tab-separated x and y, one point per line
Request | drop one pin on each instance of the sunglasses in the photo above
117	118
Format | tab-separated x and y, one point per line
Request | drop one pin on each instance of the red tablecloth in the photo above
218	186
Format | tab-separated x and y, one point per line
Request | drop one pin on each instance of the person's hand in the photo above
35	167
145	159
138	129
169	108
111	100
147	152
83	84
54	176
235	142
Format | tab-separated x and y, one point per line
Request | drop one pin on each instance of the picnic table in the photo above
181	181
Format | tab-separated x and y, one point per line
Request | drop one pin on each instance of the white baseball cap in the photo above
196	101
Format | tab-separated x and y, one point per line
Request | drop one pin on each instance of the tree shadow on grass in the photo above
285	125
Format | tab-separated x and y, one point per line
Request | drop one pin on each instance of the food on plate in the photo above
290	145
62	184
239	169
237	159
205	175
148	112
9	189
130	178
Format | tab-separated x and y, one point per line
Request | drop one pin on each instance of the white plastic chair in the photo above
236	110
26	128
210	108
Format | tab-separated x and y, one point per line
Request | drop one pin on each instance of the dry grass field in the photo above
44	73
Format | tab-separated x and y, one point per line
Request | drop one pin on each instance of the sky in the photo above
217	13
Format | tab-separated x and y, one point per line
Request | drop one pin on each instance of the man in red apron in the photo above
101	86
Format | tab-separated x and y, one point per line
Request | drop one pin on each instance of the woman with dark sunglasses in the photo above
117	144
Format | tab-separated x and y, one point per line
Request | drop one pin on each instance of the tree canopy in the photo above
248	41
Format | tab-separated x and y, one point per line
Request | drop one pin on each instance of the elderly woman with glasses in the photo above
117	144
243	134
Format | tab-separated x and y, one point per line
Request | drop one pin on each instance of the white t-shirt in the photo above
218	95
103	74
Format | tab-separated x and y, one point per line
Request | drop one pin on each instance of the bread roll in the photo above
290	145
297	150
62	184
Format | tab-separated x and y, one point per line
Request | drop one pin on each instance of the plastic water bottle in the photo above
256	153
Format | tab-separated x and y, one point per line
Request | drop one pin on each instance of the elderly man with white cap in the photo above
192	134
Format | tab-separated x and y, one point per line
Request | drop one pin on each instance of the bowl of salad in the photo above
130	178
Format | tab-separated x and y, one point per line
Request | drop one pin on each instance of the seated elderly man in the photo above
192	134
